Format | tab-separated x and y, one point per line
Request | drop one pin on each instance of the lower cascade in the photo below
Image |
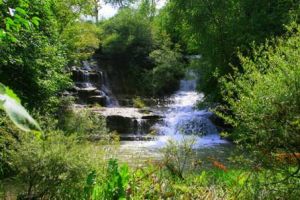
182	119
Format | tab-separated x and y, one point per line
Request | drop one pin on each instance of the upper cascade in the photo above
92	85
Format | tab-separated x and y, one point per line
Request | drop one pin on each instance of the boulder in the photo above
86	92
120	124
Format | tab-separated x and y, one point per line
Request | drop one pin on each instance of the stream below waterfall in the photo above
181	121
175	118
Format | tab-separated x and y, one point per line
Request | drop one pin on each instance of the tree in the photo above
264	99
219	29
81	40
120	3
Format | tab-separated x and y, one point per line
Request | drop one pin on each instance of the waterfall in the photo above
110	97
183	118
92	85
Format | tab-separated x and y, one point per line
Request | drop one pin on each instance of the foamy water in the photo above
181	121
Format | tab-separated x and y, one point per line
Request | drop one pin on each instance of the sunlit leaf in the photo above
18	114
35	21
2	33
10	103
6	90
21	11
9	23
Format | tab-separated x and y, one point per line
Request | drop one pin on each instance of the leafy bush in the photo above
84	124
113	185
168	69
126	36
9	134
178	156
141	58
218	30
263	108
264	99
54	168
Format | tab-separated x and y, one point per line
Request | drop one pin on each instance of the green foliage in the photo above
168	68
178	155
140	54
125	45
263	107
219	29
34	65
113	186
15	19
9	133
54	168
83	123
10	103
138	103
264	99
117	181
126	36
81	39
68	11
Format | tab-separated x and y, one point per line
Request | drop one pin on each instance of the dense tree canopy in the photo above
219	29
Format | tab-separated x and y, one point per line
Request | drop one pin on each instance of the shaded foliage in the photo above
218	29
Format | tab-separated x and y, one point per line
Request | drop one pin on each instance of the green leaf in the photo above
7	91
9	23
18	114
35	21
10	103
2	34
21	11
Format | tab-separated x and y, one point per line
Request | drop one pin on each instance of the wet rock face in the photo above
120	124
128	120
99	99
89	81
80	75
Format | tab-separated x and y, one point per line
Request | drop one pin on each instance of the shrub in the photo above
83	123
264	102
113	185
54	168
9	134
265	99
178	156
82	40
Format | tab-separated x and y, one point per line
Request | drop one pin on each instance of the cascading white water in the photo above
92	85
181	121
182	118
110	98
